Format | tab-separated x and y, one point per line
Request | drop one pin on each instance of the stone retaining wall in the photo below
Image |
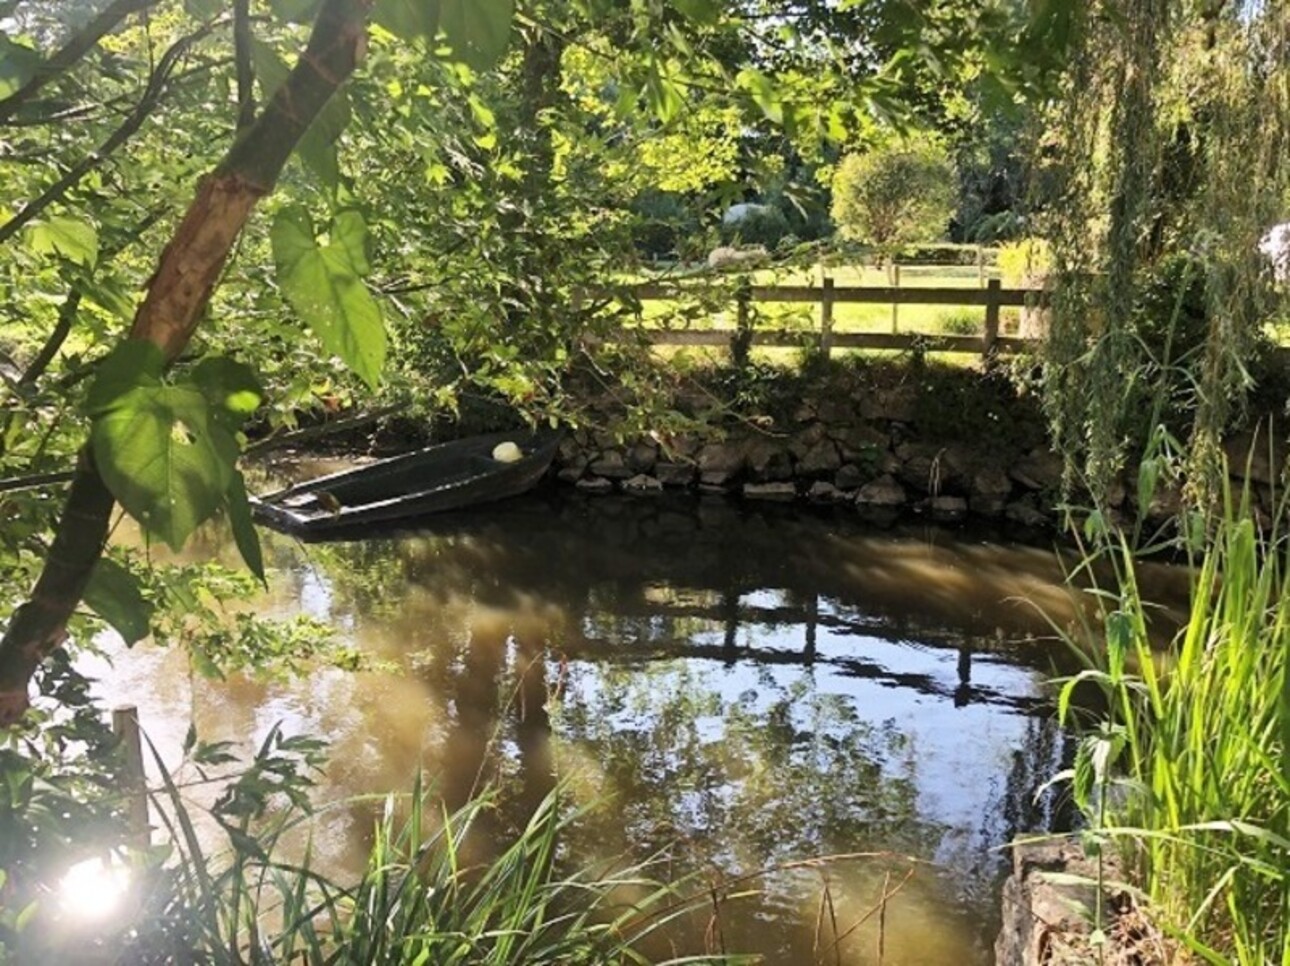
865	452
832	453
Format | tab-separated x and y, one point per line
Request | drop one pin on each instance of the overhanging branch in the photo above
182	285
71	53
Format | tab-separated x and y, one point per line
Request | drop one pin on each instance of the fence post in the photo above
991	318
125	725
895	306
826	317
741	341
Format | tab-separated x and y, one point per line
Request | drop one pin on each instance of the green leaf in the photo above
764	94
164	458
75	240
230	386
244	532
324	285
477	30
349	233
700	11
18	64
115	595
663	96
408	19
205	9
317	147
294	11
130	365
271	71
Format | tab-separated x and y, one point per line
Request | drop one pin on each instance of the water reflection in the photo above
732	690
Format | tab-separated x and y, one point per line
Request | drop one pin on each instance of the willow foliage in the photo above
1165	165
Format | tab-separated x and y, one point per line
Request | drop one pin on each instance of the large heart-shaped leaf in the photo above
18	64
477	30
324	285
294	11
317	148
408	19
132	364
163	457
231	387
700	11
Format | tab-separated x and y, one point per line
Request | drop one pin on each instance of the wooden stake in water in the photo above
125	725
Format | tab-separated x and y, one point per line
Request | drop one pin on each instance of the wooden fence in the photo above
992	297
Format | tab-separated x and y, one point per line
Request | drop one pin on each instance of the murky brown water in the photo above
742	689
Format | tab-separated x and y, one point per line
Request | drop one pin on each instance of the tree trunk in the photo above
178	292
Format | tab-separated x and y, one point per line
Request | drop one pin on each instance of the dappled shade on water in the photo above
732	691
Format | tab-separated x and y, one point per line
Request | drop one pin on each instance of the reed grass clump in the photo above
250	898
1187	767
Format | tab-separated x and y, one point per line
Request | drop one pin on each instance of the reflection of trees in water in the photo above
774	773
911	580
649	605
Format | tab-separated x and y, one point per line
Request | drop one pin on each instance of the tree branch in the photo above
245	69
71	54
35	481
178	292
152	95
71	305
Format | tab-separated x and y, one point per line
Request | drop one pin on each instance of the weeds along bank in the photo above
887	437
1182	774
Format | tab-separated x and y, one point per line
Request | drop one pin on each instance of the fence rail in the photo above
992	297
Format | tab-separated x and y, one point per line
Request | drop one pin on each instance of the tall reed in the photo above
1188	768
246	901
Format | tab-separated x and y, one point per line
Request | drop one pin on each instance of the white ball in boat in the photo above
507	452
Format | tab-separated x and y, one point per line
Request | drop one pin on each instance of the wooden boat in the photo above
446	476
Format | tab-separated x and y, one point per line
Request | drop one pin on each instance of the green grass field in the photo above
847	317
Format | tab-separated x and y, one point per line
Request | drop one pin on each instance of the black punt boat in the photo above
446	476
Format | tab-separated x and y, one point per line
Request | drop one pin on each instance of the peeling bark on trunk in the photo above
177	294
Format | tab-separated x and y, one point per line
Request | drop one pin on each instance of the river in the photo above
738	689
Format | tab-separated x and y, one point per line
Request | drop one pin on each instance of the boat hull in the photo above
446	476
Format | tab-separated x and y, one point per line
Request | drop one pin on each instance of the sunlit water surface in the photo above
737	690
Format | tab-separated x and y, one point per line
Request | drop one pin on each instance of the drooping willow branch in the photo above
71	53
182	285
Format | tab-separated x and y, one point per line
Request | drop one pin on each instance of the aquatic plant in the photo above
419	899
1187	768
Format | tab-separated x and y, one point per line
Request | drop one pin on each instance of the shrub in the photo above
754	224
961	322
1028	258
993	228
899	194
662	220
940	253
